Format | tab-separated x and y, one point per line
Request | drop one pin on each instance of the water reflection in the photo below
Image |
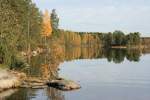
34	94
7	93
21	94
118	55
47	66
43	66
112	55
54	94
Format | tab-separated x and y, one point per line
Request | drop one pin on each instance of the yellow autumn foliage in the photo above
46	25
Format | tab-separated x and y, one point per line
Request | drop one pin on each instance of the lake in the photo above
117	75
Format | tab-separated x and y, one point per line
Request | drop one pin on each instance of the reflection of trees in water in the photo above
82	53
54	94
88	53
118	55
115	55
72	53
41	66
59	53
45	65
133	55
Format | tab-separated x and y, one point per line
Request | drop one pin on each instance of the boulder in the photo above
33	82
63	84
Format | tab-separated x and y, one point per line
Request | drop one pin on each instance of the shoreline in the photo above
129	47
13	79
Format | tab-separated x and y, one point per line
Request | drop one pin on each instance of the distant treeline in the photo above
117	38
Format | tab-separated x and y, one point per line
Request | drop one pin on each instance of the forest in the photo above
23	28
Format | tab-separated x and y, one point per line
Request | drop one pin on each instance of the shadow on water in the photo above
47	66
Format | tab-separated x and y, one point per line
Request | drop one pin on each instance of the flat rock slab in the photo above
63	84
34	82
9	79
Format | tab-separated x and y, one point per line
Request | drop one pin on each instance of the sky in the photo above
101	15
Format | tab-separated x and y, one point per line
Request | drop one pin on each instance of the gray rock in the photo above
63	84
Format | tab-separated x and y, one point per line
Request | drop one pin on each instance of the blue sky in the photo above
101	15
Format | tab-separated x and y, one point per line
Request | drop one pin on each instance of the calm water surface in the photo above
100	80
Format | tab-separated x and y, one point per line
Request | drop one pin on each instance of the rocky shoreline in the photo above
12	79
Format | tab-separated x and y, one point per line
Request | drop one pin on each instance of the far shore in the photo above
129	47
119	47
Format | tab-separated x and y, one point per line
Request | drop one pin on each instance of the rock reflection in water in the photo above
7	93
34	94
54	94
